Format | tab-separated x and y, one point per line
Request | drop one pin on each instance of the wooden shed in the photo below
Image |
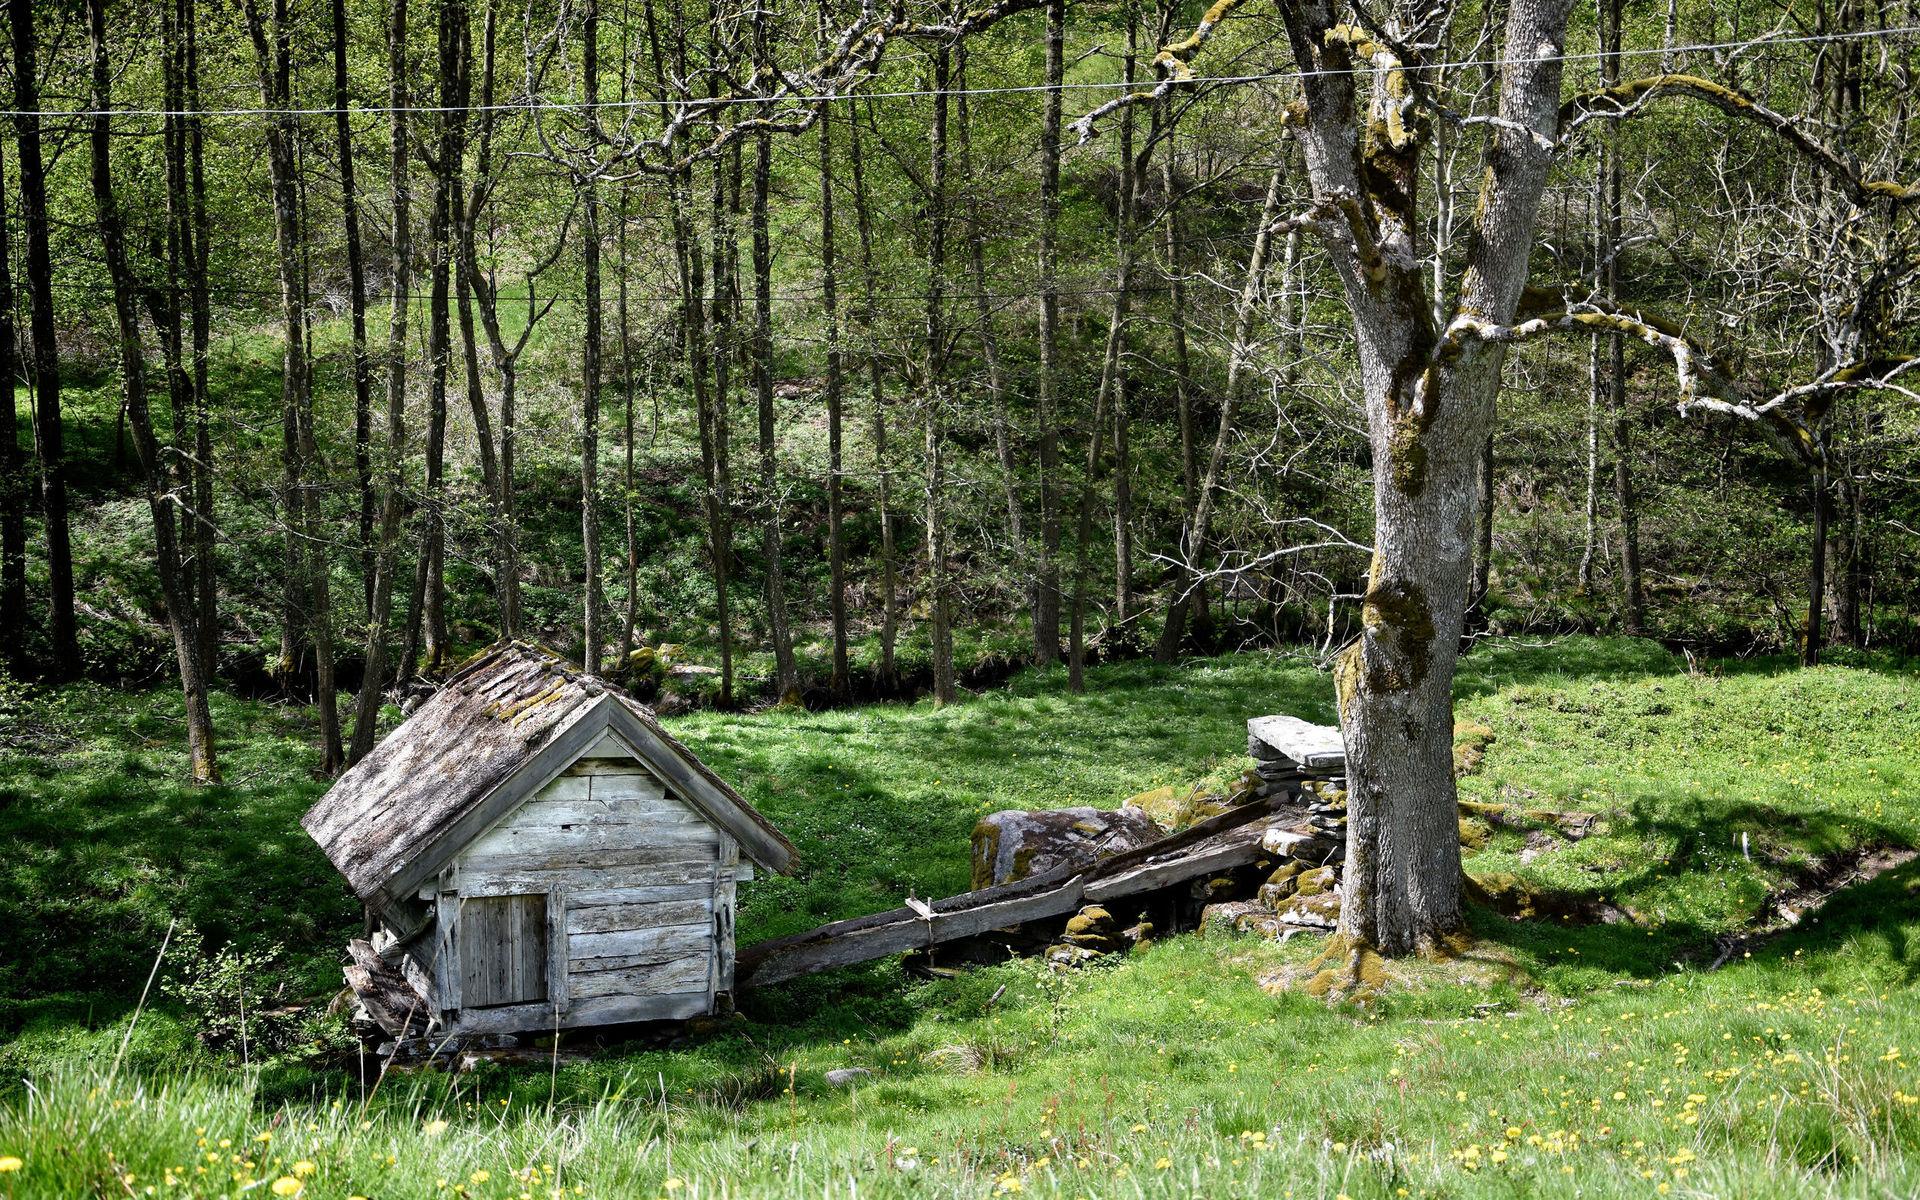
534	851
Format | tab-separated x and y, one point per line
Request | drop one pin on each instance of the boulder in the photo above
1281	883
1299	840
1239	916
1093	928
1318	881
1318	910
1216	888
846	1076
1017	844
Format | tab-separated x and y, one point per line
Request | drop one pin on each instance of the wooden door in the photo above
503	950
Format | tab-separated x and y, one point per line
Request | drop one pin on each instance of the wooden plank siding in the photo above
502	944
632	888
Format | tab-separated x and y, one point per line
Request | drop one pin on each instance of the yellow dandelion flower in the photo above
287	1185
303	1168
10	1163
480	1176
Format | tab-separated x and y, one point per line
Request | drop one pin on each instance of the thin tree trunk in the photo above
499	469
1623	486
204	765
1112	393
699	357
1844	587
13	466
1483	526
1195	597
1046	585
591	633
429	615
725	284
307	569
786	677
356	301
839	684
934	366
48	428
983	314
1200	521
630	622
200	307
163	302
393	460
883	478
1590	526
1819	489
1130	172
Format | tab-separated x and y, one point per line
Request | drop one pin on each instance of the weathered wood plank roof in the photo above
474	747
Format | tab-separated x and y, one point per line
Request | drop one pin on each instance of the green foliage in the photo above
232	997
1598	1040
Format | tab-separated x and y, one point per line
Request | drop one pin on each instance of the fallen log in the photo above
1219	843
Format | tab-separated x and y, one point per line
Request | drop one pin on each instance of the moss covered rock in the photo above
1016	844
1281	883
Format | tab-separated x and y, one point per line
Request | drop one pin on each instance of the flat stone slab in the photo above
1317	748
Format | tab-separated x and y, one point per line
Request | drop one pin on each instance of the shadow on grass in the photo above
1799	851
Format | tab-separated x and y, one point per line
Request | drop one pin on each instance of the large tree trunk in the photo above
48	428
1428	415
204	766
308	584
356	300
1046	583
366	711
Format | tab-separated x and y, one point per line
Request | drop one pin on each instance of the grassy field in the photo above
1559	1058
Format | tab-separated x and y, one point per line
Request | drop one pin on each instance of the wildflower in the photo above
287	1185
303	1168
674	1184
1162	1163
480	1176
10	1163
434	1128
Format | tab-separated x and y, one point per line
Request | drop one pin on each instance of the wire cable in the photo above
639	103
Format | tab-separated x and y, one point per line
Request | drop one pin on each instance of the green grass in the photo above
1609	1064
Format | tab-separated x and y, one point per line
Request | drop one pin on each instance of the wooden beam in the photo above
1223	842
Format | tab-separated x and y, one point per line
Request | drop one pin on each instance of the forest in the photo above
936	408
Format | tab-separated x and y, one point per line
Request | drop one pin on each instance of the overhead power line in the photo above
642	103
